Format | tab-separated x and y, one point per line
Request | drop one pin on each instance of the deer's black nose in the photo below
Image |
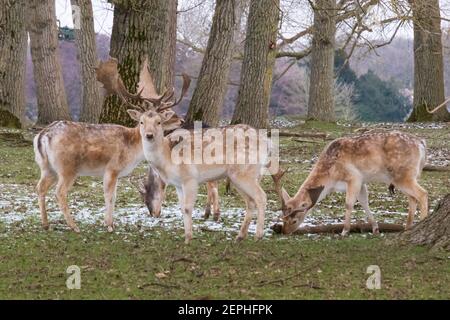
149	136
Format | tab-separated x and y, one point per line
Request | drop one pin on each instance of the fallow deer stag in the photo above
186	177
348	164
65	150
153	191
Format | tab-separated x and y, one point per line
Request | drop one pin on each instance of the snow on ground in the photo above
18	207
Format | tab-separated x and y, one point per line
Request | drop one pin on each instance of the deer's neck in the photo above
159	155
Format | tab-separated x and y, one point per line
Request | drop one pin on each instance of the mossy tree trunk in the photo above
51	95
434	231
252	105
141	28
209	94
13	50
321	93
428	62
91	101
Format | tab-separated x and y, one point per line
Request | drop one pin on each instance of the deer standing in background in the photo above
348	164
65	150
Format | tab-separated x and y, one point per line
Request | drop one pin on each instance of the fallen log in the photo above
436	168
320	135
358	227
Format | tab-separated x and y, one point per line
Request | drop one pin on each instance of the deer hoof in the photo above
110	229
344	233
45	226
239	238
376	231
76	229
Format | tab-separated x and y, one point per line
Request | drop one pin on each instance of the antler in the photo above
277	181
108	74
163	105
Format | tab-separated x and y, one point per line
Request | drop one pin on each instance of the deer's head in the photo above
295	209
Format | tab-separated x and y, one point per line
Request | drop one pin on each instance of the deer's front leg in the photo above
189	191
353	189
110	189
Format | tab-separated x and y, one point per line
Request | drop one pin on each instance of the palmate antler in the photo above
108	74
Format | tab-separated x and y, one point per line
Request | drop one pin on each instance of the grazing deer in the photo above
65	150
153	190
348	164
186	177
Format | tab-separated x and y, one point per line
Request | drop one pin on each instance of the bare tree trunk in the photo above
51	95
321	94
91	102
209	94
13	50
434	231
252	105
140	28
428	61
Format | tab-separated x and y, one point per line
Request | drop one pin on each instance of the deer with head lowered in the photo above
65	150
348	164
186	176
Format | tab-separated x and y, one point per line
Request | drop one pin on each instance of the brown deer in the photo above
65	150
186	177
348	164
153	190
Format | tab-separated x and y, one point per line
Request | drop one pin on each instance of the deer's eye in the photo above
158	123
142	122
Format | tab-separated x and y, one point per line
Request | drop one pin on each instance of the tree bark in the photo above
51	95
434	231
321	94
212	83
91	101
141	28
252	105
428	62
13	51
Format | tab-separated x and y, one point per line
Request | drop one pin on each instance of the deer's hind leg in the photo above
412	189
65	182
45	183
255	198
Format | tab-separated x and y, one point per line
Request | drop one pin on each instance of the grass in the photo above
138	262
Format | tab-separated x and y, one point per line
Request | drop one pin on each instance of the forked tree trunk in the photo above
252	105
428	61
51	95
13	50
91	101
209	94
434	231
321	93
140	30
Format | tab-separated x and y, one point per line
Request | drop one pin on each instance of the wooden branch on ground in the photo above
429	167
358	227
320	135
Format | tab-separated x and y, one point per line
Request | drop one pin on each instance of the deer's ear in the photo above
314	194
167	115
134	114
285	196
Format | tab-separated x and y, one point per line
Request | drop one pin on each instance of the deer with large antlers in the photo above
348	164
186	176
65	150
